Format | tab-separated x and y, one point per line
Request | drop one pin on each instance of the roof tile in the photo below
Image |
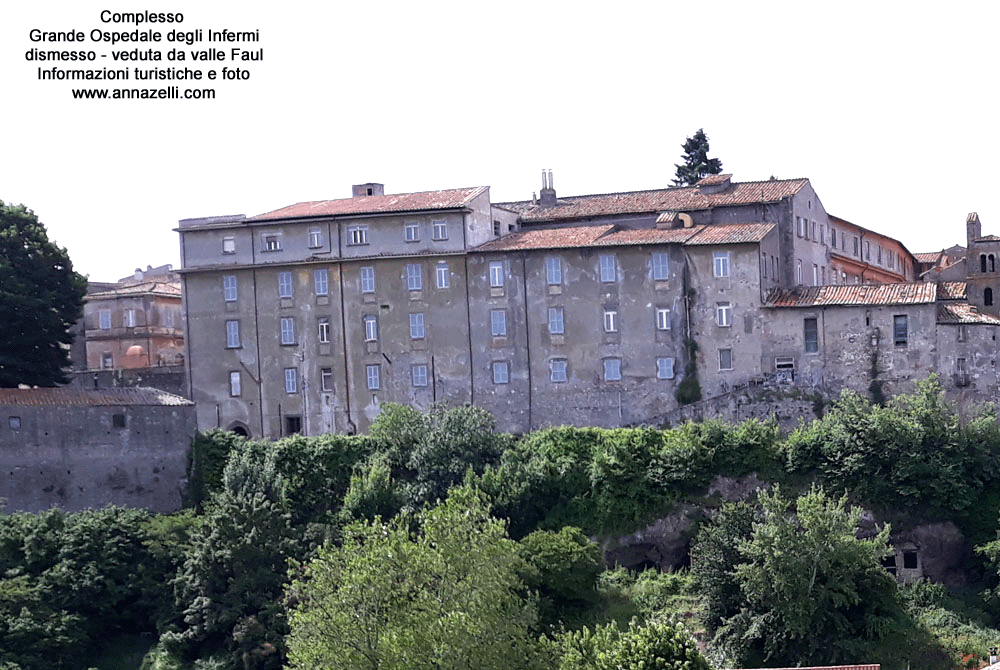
378	204
853	295
963	312
66	396
951	290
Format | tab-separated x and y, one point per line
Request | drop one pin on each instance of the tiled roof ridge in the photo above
473	191
76	396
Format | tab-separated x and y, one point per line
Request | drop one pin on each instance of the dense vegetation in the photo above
435	540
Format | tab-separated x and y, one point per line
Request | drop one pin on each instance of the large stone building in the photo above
584	310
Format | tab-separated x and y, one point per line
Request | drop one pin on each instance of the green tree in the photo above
444	595
41	297
654	645
697	164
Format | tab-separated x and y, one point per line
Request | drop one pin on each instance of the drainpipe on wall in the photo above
352	427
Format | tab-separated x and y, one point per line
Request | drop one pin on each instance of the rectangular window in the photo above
326	379
417	326
293	425
129	318
419	374
868	250
414	277
323	330
553	270
720	264
661	266
287	330
442	275
14	422
815	275
498	322
610	321
107	361
724	314
104	317
878	254
609	272
373	377
501	372
315	238
272	243
814	230
810	335
357	235
612	369
284	284
725	359
496	274
411	232
798	271
232	334
291	380
665	368
900	330
557	325
662	318
367	279
229	245
763	263
229	290
371	329
321	281
856	249
557	370
235	384
439	230
833	237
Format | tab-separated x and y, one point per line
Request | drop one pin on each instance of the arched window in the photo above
982	262
993	263
988	296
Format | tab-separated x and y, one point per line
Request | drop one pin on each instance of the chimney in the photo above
365	190
547	196
973	229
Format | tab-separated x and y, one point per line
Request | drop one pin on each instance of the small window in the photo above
496	274
857	250
725	359
609	271
229	245
416	326
229	288
129	319
557	324
987	297
439	230
373	377
272	243
326	379
724	314
501	372
235	384
367	279
662	318
664	367
411	232
900	327
612	369
815	275
661	266
557	370
323	330
720	265
442	275
813	230
104	319
419	374
496	228
610	321
287	330
117	420
371	329
107	361
414	277
553	270
909	560
798	271
498	322
14	422
293	425
291	380
763	264
357	235
284	284
321	281
315	238
810	335
232	334
868	250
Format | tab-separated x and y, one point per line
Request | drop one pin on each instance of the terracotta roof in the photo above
929	257
547	238
76	397
378	204
988	238
713	179
731	233
963	312
679	199
951	290
853	295
170	289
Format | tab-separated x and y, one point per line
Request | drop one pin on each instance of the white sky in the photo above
887	107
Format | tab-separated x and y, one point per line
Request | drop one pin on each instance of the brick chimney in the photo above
364	190
973	228
547	196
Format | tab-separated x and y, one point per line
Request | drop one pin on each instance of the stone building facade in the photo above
579	310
